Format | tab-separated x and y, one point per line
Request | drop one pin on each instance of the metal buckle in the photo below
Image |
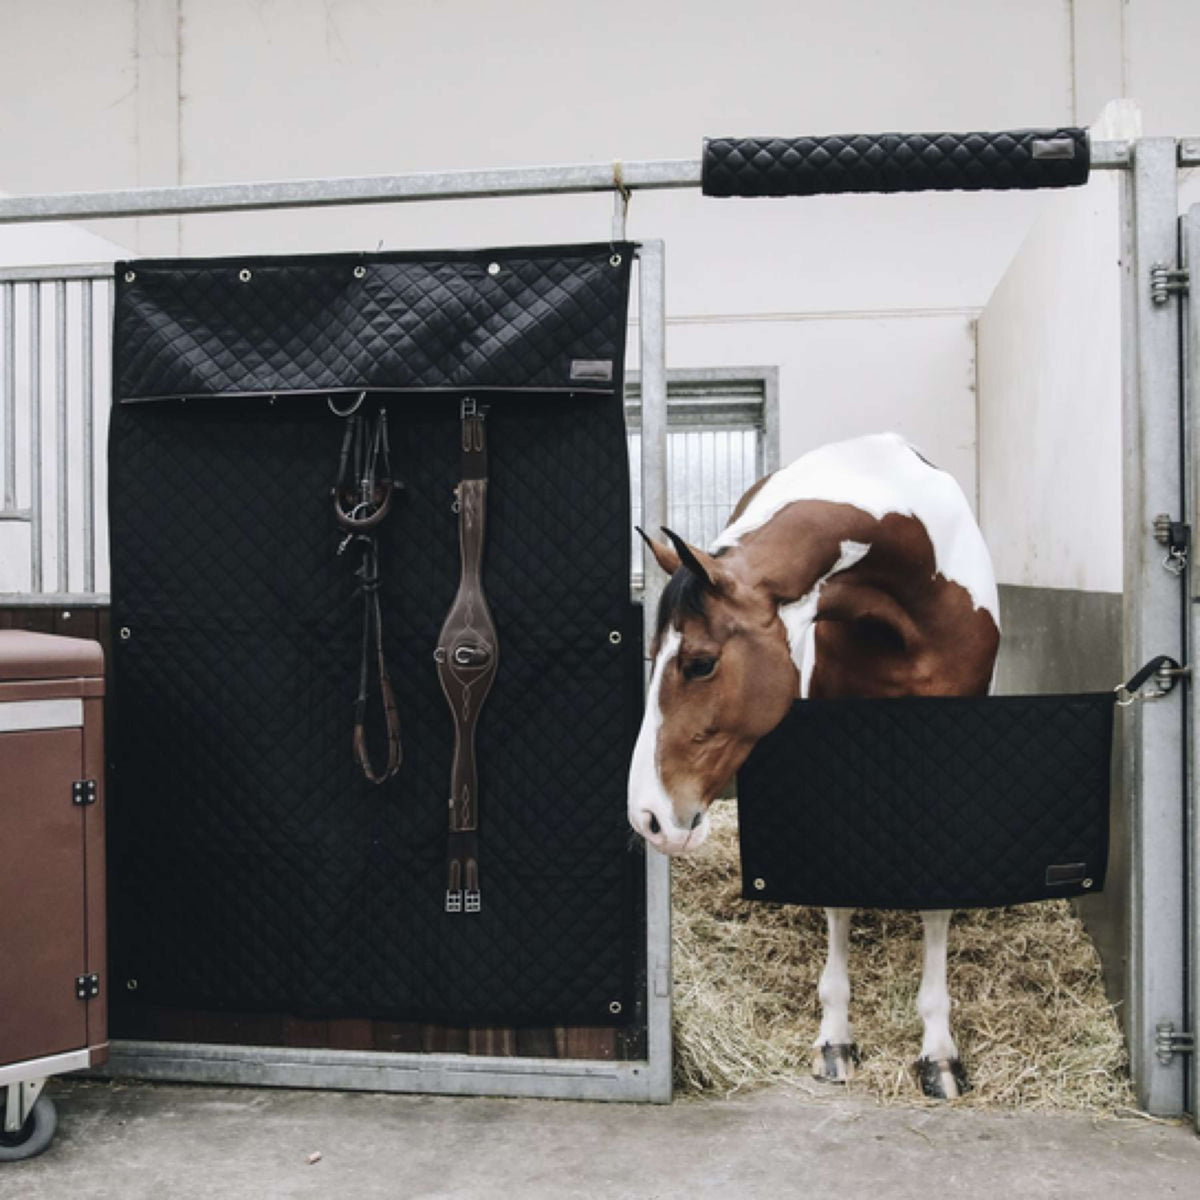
454	902
468	408
473	904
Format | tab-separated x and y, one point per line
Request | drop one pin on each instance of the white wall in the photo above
1050	400
863	302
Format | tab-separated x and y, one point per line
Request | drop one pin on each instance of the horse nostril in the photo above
696	820
655	827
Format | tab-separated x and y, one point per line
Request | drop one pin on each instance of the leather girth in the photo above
467	657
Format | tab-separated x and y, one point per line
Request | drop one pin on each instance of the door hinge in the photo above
1169	1041
83	791
1164	280
1177	537
87	987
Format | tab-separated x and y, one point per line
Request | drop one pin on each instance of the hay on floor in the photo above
1030	1015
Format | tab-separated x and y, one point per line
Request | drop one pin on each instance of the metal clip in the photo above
468	408
454	902
473	902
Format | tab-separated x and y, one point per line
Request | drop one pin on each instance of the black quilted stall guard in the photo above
929	802
253	867
895	162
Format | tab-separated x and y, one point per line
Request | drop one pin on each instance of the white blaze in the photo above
646	791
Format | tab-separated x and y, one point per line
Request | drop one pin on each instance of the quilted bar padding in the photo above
514	319
928	802
895	162
253	868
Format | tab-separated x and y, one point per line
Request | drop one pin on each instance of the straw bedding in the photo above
1030	1014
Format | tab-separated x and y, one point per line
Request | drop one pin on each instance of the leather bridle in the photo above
362	498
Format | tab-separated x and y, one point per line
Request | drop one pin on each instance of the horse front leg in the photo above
939	1069
834	1052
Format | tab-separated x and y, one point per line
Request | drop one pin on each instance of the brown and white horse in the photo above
858	570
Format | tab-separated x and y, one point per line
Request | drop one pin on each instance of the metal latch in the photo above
87	987
83	791
1164	280
1169	1041
1177	537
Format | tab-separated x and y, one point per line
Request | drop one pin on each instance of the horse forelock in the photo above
686	595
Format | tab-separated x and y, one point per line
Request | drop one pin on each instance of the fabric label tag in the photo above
592	369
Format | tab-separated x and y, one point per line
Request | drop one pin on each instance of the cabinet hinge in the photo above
1164	280
83	791
87	987
1169	1041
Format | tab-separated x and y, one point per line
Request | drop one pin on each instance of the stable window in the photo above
722	435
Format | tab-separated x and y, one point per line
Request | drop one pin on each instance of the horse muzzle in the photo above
664	831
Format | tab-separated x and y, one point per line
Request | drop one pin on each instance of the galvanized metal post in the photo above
652	342
1153	731
1191	261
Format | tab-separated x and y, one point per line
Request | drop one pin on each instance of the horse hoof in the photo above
941	1078
835	1063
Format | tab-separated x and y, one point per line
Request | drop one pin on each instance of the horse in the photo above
857	570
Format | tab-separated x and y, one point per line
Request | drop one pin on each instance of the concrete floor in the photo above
130	1141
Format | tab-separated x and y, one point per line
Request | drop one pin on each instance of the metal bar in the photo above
35	437
89	420
72	600
1191	260
652	347
9	387
1111	156
1153	621
39	1068
370	189
389	189
1189	152
364	1070
60	433
15	514
55	271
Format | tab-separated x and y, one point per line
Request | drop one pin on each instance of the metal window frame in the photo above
1154	611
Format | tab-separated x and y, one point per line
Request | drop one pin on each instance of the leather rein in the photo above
362	498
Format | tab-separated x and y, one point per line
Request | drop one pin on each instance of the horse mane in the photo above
684	596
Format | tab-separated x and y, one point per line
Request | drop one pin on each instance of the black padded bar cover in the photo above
896	162
929	802
541	319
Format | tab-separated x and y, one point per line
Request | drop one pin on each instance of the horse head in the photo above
723	677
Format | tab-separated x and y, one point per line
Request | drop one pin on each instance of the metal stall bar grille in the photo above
716	448
53	523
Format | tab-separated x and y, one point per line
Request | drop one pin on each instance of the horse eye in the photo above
699	668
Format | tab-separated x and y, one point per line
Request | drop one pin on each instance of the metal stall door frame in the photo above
1154	734
1187	1036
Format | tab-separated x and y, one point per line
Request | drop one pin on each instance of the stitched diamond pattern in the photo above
254	869
504	319
927	802
891	162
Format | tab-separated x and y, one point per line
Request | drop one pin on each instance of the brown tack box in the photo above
53	989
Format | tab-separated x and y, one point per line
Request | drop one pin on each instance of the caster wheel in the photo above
34	1136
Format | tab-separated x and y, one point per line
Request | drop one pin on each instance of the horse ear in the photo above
663	555
697	561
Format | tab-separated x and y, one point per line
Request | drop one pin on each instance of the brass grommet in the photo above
360	272
126	633
130	276
493	268
615	1007
615	637
759	884
244	275
131	985
615	261
1087	883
